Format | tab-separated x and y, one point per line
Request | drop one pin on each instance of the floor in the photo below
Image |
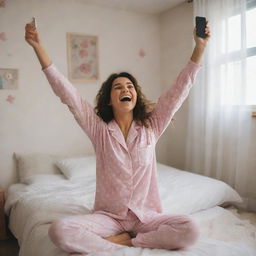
9	247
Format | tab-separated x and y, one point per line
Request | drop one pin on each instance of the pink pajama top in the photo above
126	173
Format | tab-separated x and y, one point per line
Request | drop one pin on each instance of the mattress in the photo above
32	208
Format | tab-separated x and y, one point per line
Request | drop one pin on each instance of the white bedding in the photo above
33	207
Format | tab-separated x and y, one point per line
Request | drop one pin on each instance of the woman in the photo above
127	209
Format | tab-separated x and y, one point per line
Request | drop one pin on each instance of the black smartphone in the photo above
200	26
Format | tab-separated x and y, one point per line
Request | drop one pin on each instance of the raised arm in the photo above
32	38
170	101
69	95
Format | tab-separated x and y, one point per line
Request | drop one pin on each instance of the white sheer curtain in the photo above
220	104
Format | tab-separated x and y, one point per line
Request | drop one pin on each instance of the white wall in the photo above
176	42
36	121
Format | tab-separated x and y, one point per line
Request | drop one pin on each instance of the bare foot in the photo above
123	238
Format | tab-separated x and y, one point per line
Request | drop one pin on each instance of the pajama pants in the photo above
82	234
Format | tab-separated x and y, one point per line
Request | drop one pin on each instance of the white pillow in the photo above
44	179
31	164
184	192
77	167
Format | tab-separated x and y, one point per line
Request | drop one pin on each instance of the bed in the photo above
52	187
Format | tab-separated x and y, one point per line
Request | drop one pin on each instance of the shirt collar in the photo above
117	133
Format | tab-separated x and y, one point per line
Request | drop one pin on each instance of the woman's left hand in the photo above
200	45
202	42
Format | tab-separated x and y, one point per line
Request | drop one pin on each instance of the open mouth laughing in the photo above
126	98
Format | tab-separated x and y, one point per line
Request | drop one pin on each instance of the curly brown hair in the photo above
141	111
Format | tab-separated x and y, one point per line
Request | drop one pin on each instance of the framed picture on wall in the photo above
83	61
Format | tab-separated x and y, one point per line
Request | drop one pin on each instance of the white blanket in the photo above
33	207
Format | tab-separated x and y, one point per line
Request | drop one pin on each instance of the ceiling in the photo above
144	6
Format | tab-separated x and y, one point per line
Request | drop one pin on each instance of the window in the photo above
238	75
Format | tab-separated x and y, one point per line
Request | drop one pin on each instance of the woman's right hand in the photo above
32	36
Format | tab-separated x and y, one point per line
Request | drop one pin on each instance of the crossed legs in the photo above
98	232
163	232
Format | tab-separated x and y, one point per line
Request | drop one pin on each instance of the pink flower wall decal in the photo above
142	53
10	98
2	4
85	68
3	36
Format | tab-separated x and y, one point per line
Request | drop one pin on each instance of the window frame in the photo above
237	55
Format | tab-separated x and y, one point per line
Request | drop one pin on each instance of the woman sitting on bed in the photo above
127	209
